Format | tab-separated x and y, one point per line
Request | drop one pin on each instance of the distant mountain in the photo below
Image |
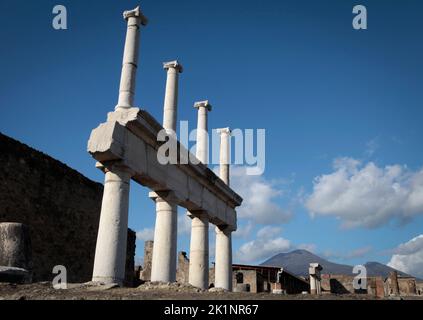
297	262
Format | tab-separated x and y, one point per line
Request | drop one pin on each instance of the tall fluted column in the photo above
170	114
110	254
223	267
135	19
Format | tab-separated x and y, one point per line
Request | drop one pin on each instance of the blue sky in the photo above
322	90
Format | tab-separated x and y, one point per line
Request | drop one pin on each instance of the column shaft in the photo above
110	254
170	113
223	266
199	252
202	147
165	239
130	58
313	285
225	135
199	247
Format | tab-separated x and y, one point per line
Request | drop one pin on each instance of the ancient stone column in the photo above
199	251
223	263
225	135
199	245
202	152
394	283
15	246
163	267
318	284
314	273
223	266
110	254
313	289
165	230
135	19
170	113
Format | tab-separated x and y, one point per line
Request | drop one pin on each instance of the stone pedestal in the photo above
110	254
163	267
199	251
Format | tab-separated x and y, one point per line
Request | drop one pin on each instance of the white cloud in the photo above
408	257
244	231
367	195
259	196
267	244
146	234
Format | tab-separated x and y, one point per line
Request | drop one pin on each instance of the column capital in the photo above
197	213
225	229
222	131
114	166
166	196
173	65
203	104
135	13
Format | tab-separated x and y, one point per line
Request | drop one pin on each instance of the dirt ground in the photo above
45	291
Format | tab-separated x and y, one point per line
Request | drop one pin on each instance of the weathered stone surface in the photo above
59	205
145	274
15	246
14	275
130	258
135	129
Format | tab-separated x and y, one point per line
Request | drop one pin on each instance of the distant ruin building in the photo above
377	286
60	206
245	278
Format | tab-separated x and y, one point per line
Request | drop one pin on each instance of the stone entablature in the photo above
129	137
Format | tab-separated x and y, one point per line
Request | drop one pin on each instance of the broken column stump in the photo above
15	253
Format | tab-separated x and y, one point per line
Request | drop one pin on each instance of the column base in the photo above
108	280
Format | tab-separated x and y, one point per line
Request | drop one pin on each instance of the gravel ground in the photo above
155	291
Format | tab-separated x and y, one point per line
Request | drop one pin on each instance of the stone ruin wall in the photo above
60	206
343	284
